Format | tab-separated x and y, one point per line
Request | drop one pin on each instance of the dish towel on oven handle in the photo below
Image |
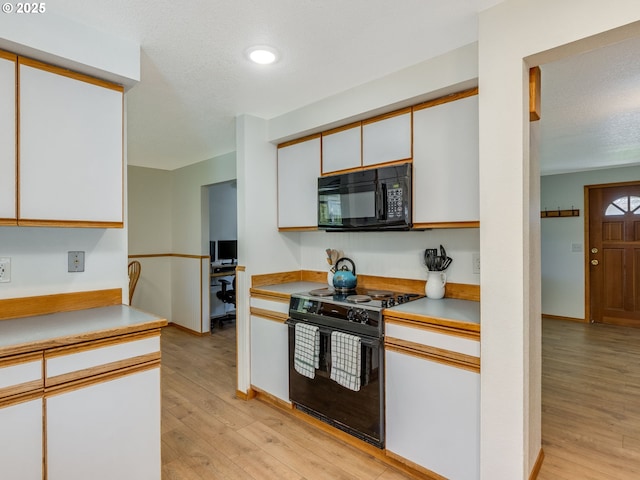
346	352
306	354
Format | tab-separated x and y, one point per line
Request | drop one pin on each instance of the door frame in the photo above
587	249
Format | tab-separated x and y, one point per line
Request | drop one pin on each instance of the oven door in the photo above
360	413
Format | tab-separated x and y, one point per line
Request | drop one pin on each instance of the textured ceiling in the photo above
591	110
195	79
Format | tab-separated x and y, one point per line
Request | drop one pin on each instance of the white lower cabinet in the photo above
270	357
433	415
21	440
106	430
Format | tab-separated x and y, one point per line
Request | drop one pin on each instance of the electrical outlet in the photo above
5	270
76	261
475	259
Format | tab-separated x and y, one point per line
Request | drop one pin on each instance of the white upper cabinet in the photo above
387	139
298	172
445	164
71	148
8	212
342	148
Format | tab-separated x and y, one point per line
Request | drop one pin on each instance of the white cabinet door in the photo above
8	213
387	139
71	148
106	430
21	441
298	172
342	148
445	162
433	415
270	357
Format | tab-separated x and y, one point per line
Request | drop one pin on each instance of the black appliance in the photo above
359	313
375	199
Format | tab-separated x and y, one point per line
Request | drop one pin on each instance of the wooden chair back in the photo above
134	274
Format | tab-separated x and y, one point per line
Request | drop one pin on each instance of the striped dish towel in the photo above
346	352
306	355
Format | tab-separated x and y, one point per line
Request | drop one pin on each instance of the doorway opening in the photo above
222	238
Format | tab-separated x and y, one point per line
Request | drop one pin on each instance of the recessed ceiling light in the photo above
262	54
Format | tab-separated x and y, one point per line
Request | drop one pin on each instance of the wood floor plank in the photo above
209	434
590	412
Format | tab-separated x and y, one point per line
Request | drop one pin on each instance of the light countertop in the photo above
445	308
29	334
291	287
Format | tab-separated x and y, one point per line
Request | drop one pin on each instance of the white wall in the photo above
150	218
223	211
39	260
187	200
563	289
510	33
395	254
169	217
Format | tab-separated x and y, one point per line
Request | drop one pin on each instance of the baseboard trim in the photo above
537	466
251	394
567	319
188	330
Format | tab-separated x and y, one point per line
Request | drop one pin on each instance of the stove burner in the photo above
322	292
378	294
358	298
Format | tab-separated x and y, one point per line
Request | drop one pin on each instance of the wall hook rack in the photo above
573	212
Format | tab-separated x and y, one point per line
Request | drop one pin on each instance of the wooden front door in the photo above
613	256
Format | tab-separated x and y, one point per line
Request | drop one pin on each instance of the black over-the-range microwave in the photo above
375	199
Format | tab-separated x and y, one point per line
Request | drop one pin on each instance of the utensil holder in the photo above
436	282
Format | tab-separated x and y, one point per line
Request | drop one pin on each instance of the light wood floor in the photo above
590	414
208	434
590	401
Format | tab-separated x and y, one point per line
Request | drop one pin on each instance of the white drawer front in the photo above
434	339
272	306
100	356
22	373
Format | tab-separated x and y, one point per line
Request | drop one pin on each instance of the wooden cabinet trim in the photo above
310	228
425	226
29	62
8	55
446	99
384	116
98	371
22	388
299	140
30	222
446	357
95	344
99	378
19	359
270	296
349	126
20	398
269	315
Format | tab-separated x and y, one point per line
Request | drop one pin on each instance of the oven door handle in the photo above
365	340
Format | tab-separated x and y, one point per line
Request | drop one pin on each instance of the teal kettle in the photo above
345	279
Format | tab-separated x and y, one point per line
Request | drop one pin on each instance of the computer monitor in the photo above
227	250
212	251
